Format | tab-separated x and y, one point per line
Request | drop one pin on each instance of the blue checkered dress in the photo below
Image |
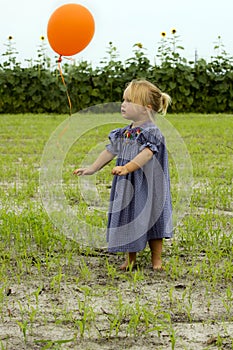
140	203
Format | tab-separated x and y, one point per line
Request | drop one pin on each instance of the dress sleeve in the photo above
150	138
114	138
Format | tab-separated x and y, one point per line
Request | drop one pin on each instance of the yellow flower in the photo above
42	37
10	37
173	31
139	45
163	34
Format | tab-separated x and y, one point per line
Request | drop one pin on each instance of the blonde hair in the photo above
146	94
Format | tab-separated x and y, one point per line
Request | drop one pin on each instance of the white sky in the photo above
123	22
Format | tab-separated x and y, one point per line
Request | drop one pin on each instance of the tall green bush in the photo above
199	86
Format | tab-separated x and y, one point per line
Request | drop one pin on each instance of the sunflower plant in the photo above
10	54
169	49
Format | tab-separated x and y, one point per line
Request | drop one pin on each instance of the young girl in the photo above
140	208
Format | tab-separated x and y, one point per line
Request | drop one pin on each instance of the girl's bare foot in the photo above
156	262
129	261
156	246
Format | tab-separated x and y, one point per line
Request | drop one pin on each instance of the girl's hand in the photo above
120	170
83	171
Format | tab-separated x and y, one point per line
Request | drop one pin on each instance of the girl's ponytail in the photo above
165	102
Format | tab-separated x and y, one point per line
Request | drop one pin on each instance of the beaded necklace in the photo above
133	133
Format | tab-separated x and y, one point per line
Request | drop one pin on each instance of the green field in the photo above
58	294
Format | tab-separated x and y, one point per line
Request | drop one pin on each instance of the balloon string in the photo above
64	83
69	101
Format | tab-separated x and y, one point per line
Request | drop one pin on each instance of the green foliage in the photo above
198	86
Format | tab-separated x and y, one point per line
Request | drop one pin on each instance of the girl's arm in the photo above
141	159
104	158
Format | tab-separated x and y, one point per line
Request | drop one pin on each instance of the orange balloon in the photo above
70	29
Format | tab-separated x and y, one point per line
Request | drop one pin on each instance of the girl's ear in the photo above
148	109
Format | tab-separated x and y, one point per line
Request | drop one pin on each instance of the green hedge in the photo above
194	86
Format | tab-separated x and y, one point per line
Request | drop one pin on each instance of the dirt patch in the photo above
90	305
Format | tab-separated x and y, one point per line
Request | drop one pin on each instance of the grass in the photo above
58	294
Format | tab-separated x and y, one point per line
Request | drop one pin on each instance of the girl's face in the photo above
130	110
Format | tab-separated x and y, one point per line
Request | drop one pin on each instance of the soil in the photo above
54	326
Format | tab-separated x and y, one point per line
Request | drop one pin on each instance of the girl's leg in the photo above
129	261
156	246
